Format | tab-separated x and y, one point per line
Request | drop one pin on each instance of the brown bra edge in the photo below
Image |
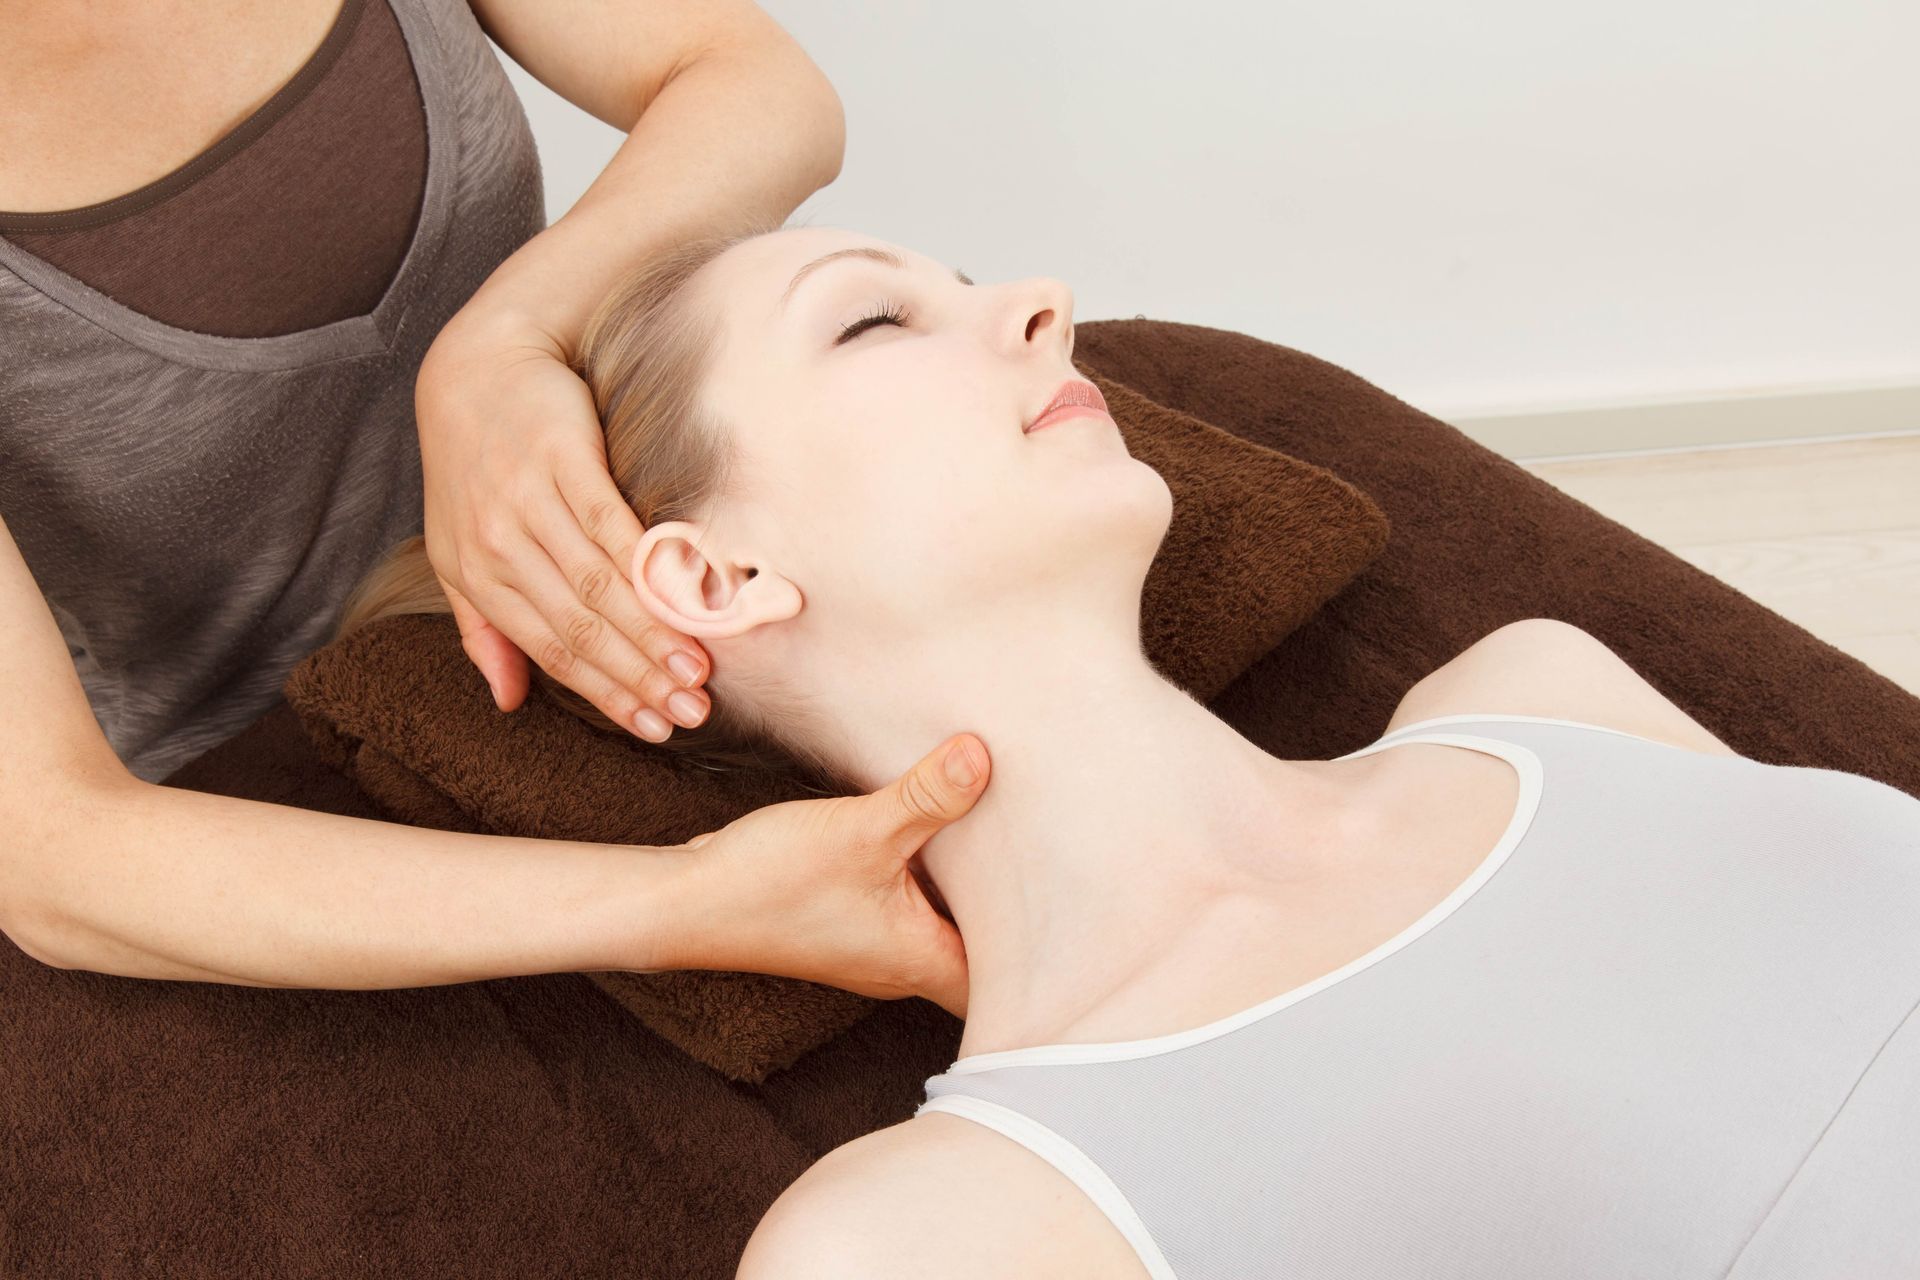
213	157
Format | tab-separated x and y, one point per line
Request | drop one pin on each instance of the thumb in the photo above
499	659
945	982
940	787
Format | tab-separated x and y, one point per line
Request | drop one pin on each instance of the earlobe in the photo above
702	597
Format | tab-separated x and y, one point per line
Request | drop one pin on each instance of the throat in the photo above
1418	828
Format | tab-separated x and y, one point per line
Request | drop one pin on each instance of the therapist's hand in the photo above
528	534
821	889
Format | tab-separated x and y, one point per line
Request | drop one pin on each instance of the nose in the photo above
1046	313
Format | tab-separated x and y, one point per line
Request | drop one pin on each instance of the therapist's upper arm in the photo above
611	58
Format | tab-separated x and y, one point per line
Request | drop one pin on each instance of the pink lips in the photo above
1075	396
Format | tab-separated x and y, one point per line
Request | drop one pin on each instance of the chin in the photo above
1125	535
1150	515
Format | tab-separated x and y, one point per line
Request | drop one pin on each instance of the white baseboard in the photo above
1703	422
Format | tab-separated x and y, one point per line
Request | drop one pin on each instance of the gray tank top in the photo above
1665	1029
196	508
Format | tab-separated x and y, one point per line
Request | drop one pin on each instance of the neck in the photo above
1122	822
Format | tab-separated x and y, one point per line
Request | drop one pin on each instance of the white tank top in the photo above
1666	1028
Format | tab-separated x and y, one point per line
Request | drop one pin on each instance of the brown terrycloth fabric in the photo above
529	1126
1258	541
297	217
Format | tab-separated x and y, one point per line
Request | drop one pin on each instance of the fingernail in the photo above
685	707
494	689
651	726
960	771
685	667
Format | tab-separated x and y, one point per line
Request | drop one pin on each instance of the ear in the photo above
701	597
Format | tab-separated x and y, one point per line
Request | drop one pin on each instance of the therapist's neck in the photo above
1122	819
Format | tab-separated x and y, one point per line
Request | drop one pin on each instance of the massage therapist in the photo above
276	293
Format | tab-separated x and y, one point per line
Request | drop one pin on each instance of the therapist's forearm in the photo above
147	881
739	137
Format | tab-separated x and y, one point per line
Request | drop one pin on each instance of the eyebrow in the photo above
882	256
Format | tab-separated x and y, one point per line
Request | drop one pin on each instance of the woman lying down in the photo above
1546	981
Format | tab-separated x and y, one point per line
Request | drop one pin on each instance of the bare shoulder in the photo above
935	1196
1546	667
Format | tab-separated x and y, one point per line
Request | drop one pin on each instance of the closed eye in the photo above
889	313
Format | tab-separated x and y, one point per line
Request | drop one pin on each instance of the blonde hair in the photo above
644	354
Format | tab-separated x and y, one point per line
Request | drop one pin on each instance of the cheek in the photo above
922	526
928	505
917	476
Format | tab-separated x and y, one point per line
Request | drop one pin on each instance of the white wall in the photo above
1484	207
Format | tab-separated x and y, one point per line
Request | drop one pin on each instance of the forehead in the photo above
754	276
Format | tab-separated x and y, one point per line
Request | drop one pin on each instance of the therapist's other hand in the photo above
529	536
821	889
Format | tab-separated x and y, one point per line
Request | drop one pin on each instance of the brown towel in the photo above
1258	541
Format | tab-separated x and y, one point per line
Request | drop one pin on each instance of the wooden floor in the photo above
1826	534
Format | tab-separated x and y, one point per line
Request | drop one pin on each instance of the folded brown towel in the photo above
1258	541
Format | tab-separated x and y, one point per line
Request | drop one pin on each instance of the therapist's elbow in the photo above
29	934
24	917
46	820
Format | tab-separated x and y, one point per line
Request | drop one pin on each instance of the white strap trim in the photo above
1467	718
1526	763
1068	1159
